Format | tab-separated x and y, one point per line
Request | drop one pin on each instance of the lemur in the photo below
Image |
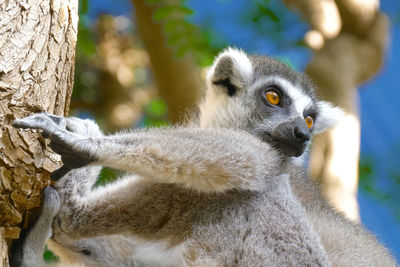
217	192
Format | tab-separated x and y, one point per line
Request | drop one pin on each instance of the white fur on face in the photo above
328	116
300	100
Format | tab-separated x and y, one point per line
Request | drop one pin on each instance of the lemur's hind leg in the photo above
28	251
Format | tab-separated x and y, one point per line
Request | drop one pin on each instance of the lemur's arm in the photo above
198	158
28	252
203	159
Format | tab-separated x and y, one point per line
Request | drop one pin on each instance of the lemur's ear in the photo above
328	116
231	70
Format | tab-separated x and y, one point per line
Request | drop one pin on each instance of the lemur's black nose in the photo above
301	134
291	137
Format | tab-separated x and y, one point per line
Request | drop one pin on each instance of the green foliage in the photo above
49	256
265	11
367	180
85	43
167	11
155	114
369	185
152	2
156	108
271	19
107	175
85	50
183	36
83	7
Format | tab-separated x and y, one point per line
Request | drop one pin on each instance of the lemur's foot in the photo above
51	201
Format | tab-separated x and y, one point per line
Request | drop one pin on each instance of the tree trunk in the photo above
37	48
349	39
178	80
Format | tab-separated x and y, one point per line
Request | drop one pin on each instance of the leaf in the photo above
163	12
83	7
155	123
49	256
107	175
156	108
151	2
176	25
85	43
268	12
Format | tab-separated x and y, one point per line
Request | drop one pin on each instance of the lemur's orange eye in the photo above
272	97
309	122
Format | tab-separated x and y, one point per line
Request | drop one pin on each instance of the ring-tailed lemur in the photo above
210	194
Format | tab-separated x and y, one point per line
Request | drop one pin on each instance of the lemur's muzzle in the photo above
291	137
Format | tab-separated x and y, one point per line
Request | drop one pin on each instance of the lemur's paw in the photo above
51	201
72	146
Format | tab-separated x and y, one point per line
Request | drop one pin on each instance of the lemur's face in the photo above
266	98
287	115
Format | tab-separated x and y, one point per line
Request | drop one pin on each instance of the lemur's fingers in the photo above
59	173
40	121
51	201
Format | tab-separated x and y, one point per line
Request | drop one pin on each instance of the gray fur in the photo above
215	193
201	222
346	243
30	252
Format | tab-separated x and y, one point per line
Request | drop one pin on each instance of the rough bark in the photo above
178	80
37	48
341	62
